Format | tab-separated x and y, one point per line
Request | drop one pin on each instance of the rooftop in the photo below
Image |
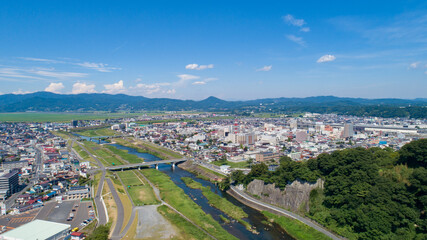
37	229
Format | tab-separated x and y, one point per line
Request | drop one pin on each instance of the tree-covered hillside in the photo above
50	102
368	194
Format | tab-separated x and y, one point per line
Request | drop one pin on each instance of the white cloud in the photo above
305	29
100	67
114	88
265	68
142	88
414	65
17	73
293	21
195	66
183	78
186	77
199	83
206	80
53	74
21	92
171	91
54	87
297	40
40	60
79	87
326	58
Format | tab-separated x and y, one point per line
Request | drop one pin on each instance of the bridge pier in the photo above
173	165
139	168
157	166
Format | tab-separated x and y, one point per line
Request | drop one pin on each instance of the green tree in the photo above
414	153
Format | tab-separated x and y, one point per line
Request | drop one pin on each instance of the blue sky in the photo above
228	49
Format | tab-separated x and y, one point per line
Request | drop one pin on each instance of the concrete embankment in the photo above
261	206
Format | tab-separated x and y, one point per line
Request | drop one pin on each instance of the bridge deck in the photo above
135	165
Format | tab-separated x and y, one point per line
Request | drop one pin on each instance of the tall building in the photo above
301	136
74	123
9	183
348	130
243	138
293	124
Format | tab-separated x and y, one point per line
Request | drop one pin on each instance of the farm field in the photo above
59	117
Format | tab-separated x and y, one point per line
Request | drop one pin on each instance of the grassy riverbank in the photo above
146	147
295	228
97	132
176	197
140	192
186	229
131	158
102	154
219	202
83	154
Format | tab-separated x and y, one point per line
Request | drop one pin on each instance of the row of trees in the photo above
368	193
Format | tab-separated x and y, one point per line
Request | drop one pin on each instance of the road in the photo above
120	210
211	167
100	206
284	212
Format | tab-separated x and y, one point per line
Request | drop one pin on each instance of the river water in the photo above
255	218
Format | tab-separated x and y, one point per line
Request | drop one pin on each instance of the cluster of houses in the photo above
267	139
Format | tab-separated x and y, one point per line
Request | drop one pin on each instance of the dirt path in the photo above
152	225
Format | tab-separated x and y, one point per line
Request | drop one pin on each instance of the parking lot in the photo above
59	212
14	221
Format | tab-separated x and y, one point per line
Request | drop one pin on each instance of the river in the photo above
255	218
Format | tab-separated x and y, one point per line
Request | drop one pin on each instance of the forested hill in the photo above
50	102
368	193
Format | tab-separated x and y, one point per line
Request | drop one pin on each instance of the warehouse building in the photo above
38	230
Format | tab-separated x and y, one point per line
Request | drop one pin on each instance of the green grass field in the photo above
176	197
97	132
62	134
83	154
295	228
145	147
131	158
218	202
102	154
186	229
59	117
243	164
140	192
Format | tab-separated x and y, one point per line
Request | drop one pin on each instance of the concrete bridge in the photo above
114	136
145	164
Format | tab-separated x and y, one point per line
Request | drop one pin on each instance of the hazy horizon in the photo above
231	50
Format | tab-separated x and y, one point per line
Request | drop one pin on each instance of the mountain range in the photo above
85	102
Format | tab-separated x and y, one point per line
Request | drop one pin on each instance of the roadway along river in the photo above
255	218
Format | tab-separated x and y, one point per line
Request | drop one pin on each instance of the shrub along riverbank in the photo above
176	197
218	202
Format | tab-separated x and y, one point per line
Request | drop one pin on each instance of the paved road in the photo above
100	207
120	210
284	212
211	167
